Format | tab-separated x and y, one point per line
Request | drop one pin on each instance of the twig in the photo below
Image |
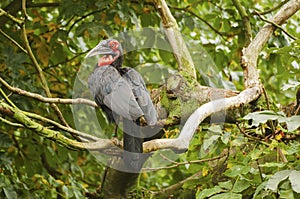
47	99
24	9
41	75
10	123
18	21
208	24
268	107
13	41
7	98
251	137
281	155
246	22
276	25
177	164
67	129
274	8
164	193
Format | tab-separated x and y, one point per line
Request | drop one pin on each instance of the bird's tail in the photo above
133	144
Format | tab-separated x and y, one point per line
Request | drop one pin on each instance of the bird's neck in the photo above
110	60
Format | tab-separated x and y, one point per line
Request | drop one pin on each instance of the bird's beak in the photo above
100	50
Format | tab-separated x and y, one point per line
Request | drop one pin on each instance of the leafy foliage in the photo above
262	152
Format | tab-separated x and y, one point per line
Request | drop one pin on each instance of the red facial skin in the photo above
108	59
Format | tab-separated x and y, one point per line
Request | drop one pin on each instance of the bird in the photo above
121	93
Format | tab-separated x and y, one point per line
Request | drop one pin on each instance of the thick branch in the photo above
182	142
252	84
250	54
103	145
181	53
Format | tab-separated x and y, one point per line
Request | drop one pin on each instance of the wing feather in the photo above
141	94
110	89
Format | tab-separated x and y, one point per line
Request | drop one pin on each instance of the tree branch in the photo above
177	164
276	25
250	54
246	22
182	142
47	99
14	19
105	146
274	8
252	85
40	71
13	41
180	50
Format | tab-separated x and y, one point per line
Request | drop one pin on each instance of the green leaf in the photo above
67	191
237	170
259	189
227	196
288	194
166	56
274	181
210	141
240	186
226	185
292	122
10	193
262	117
226	138
208	192
295	180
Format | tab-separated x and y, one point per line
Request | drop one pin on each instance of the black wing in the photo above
113	93
141	94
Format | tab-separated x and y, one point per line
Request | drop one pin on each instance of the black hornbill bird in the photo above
121	93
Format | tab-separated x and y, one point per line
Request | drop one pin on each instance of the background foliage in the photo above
61	32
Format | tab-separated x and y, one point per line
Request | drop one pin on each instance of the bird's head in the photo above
111	51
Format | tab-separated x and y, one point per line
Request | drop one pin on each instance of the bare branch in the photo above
182	142
47	99
10	123
181	53
13	41
252	84
274	8
16	20
276	25
250	54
